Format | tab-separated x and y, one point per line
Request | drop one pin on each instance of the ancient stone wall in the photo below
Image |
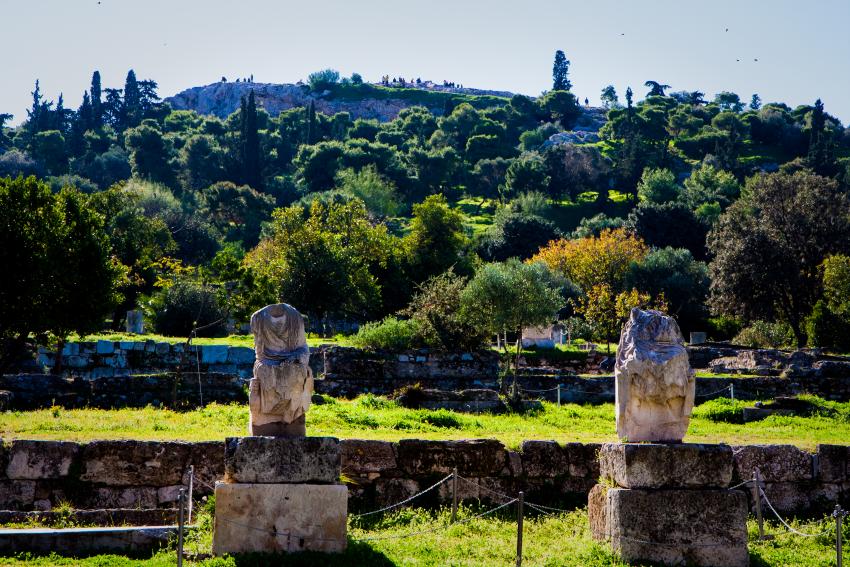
38	475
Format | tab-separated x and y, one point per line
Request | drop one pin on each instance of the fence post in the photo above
559	395
181	502
732	391
757	495
838	514
454	495
519	515
191	490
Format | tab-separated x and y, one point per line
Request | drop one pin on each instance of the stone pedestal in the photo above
280	495
670	504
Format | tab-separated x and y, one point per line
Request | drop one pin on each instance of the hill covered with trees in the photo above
732	215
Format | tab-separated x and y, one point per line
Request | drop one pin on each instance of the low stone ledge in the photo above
655	465
542	459
134	463
36	460
473	457
833	463
776	463
264	460
360	456
104	517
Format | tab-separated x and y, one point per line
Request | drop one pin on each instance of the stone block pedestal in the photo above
281	495
280	518
670	504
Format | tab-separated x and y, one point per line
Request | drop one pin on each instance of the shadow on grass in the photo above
357	554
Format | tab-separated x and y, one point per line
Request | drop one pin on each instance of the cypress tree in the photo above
820	157
311	123
560	70
132	101
250	143
96	103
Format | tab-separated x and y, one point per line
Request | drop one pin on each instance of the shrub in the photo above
825	329
321	80
186	305
390	334
723	328
763	334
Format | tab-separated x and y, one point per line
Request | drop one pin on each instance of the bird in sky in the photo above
727	29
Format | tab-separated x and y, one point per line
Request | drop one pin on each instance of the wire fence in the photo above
507	500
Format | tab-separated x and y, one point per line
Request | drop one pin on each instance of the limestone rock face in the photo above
282	386
654	382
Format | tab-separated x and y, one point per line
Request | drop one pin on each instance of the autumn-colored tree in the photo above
595	261
606	311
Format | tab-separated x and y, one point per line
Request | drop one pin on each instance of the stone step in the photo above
73	541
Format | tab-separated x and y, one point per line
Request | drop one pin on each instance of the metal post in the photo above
181	501
454	495
732	391
838	514
757	496
519	514
191	490
559	395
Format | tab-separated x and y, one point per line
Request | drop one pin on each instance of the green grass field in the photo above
561	540
372	417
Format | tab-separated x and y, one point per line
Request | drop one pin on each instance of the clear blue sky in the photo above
803	48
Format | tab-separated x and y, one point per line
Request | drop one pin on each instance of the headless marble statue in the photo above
280	392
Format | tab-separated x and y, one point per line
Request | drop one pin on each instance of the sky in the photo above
784	50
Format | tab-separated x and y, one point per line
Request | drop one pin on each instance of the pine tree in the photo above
132	111
560	70
755	102
250	143
81	122
96	103
820	157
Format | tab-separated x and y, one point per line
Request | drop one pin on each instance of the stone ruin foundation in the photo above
670	504
280	495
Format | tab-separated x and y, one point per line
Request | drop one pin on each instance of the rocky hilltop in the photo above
361	101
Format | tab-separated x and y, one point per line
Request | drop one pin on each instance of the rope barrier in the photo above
490	490
712	393
784	523
403	502
432	530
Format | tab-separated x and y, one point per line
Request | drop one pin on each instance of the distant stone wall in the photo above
38	475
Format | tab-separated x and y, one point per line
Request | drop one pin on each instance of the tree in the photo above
376	192
707	184
836	284
150	153
201	162
96	102
655	88
131	110
820	157
560	106
728	101
512	296
61	278
238	211
436	239
516	235
249	143
658	186
674	275
574	169
560	71
324	79
593	261
755	102
526	173
669	224
606	311
609	97
768	245
48	147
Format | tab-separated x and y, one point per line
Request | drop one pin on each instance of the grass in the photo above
560	540
374	417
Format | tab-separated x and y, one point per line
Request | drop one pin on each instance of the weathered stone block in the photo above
280	518
134	463
583	459
105	347
776	463
17	494
300	460
70	349
240	355
208	459
391	490
541	459
475	457
214	354
689	465
138	497
597	507
801	497
360	456
162	348
674	527
36	460
833	463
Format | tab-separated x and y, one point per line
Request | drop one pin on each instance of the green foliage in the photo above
764	334
436	239
60	276
722	410
184	306
723	327
388	334
376	192
827	330
658	186
436	310
321	80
